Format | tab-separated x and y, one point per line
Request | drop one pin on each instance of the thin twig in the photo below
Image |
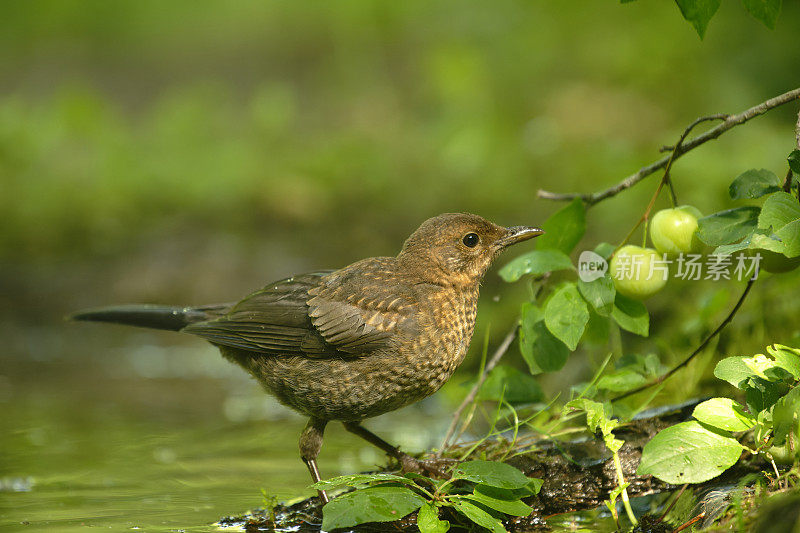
699	349
691	522
666	179
671	505
797	131
729	122
797	143
498	354
787	182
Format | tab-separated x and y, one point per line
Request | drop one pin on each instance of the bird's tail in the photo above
151	316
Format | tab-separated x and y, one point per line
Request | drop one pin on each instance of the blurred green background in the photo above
185	152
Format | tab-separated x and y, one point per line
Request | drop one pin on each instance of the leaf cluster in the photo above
700	12
482	492
702	449
553	324
772	227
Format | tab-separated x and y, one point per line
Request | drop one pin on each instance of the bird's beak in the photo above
518	234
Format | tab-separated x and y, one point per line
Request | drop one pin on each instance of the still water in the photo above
136	432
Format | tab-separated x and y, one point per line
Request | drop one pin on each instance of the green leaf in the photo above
502	500
761	394
415	476
631	315
492	473
566	315
759	364
794	162
766	11
729	226
564	229
478	515
786	416
510	384
597	330
767	242
740	371
781	215
786	358
724	413
596	418
534	485
767	368
789	236
621	381
353	480
698	13
688	453
373	504
754	183
536	262
428	520
780	209
540	349
734	371
605	250
729	249
599	293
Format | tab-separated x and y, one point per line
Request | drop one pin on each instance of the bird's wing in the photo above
358	309
346	326
316	315
273	320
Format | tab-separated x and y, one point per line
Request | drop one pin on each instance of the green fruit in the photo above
633	276
674	231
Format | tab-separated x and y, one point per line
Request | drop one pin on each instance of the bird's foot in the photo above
435	468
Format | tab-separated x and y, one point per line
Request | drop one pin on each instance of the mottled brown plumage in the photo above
353	343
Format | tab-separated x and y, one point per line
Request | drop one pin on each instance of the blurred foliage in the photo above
158	151
120	120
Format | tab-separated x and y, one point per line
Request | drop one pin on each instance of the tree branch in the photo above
699	349
666	179
729	122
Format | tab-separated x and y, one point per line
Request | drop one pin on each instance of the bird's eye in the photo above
471	240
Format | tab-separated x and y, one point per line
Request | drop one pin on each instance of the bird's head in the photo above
458	248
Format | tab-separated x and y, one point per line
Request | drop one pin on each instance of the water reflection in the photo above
134	431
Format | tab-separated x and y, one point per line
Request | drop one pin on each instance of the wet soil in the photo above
578	476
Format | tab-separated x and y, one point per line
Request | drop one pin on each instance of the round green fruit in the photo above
638	272
674	231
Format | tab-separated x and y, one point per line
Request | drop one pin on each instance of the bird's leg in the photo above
407	463
310	445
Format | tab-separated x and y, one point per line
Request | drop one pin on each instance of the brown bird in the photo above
357	342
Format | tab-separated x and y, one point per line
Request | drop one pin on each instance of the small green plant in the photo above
483	492
269	501
701	449
597	420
